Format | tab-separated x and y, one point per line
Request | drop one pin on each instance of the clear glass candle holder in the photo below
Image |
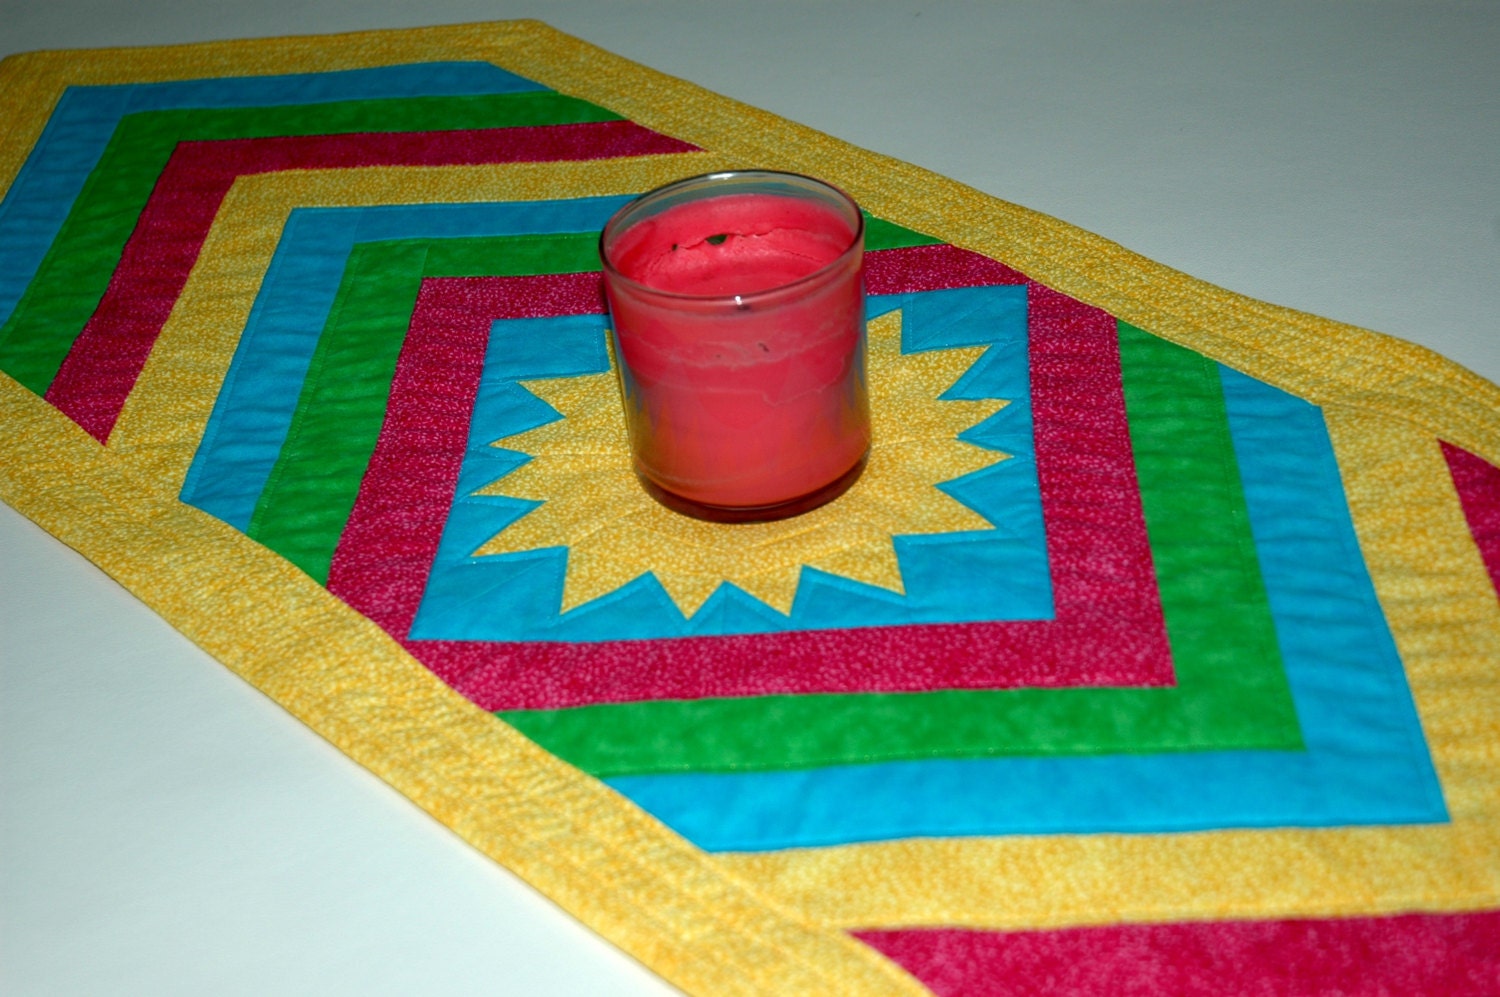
737	310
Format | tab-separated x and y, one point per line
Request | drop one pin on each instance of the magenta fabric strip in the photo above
107	357
386	550
1410	955
937	268
1109	628
1478	484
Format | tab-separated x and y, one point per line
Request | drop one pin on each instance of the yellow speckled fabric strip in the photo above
614	867
1446	622
1315	358
164	417
1318	359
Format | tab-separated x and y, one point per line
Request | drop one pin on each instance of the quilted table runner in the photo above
1154	653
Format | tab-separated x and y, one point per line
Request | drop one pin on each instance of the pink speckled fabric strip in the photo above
1108	630
107	357
1478	484
1410	955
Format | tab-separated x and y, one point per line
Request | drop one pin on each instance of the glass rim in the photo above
856	242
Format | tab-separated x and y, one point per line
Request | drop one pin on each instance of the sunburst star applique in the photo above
591	503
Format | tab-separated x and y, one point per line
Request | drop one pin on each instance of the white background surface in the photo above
166	829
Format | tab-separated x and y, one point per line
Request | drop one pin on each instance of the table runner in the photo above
1149	655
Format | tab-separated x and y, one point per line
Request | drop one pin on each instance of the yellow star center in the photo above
592	504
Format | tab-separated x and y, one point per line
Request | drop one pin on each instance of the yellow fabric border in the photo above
1318	359
1446	621
622	872
1315	358
590	850
594	853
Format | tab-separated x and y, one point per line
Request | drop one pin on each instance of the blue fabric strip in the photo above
1366	760
255	405
85	118
998	574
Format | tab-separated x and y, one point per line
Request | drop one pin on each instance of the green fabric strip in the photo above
76	270
314	484
1231	692
881	234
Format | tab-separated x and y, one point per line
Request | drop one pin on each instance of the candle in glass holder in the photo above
737	307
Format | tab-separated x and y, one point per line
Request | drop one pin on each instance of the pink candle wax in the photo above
738	320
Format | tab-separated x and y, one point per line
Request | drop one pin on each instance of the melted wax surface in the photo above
737	244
